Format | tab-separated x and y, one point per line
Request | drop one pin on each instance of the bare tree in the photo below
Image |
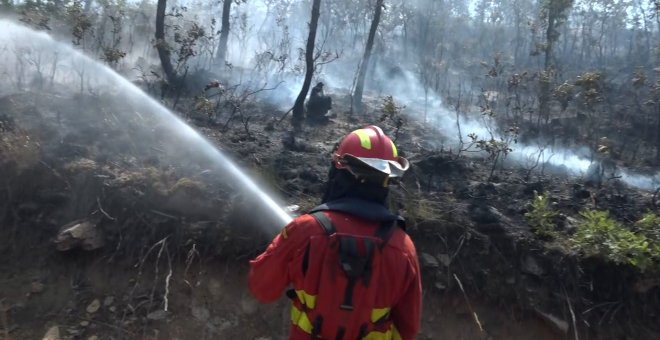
298	113
356	98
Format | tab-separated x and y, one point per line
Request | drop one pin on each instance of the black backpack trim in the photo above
361	208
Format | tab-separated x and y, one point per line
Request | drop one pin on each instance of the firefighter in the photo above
352	269
318	104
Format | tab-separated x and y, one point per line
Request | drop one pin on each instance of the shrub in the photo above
649	226
541	217
599	235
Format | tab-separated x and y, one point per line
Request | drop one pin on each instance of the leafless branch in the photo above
98	201
467	301
570	309
167	281
3	317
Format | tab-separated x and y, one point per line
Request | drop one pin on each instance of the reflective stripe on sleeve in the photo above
300	319
378	314
307	299
391	334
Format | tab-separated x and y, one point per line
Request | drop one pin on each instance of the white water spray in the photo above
33	57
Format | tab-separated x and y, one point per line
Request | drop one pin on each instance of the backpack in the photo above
339	290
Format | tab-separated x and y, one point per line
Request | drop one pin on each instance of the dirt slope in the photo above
153	232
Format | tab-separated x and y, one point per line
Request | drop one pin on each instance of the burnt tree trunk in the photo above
221	53
161	45
299	107
364	65
657	144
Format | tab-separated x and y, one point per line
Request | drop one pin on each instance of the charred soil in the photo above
106	232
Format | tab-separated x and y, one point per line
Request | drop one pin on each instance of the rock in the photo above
249	305
109	300
489	220
444	259
93	337
37	287
482	214
309	175
222	324
94	306
215	288
531	266
157	315
113	309
200	312
81	233
53	333
73	331
428	261
582	193
571	224
84	323
644	285
530	188
554	321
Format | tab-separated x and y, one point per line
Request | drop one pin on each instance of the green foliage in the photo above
564	93
601	236
492	146
81	23
389	110
590	84
113	55
649	225
391	115
187	41
541	217
205	106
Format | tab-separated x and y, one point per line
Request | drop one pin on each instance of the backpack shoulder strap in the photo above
385	231
325	222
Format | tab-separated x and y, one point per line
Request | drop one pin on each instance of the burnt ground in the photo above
157	240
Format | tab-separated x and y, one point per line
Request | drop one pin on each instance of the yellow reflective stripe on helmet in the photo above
300	319
378	313
365	140
306	299
394	152
391	334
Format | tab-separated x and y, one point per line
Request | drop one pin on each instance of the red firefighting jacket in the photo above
399	289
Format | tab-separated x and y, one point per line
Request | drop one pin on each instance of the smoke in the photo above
34	62
390	75
408	89
267	42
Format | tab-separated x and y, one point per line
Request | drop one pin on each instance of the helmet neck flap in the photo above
343	184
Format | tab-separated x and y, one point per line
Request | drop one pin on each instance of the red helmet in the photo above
369	152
